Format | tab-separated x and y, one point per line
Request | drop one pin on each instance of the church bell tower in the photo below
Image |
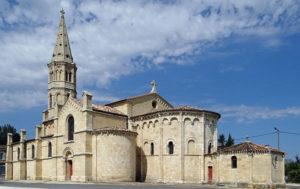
62	69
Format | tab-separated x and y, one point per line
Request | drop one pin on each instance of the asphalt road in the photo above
26	185
16	185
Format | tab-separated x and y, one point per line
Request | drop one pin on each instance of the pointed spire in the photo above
62	50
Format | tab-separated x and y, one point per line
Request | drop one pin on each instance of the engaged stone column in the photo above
8	163
22	154
87	100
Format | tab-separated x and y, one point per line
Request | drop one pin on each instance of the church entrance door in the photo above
210	174
69	169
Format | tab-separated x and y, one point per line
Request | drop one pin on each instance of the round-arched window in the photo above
233	162
70	128
18	154
32	152
154	104
49	149
170	147
152	149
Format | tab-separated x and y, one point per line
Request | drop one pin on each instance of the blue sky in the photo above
239	58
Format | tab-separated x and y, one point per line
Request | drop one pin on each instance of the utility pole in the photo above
277	131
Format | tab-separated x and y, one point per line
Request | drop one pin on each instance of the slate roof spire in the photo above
62	50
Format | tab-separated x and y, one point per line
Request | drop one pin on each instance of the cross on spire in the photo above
62	11
154	86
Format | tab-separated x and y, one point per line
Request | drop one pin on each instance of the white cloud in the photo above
243	113
106	36
15	100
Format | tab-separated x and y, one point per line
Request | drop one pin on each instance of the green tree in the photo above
230	141
292	170
7	128
221	140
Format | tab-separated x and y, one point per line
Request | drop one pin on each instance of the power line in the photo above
285	132
255	136
265	134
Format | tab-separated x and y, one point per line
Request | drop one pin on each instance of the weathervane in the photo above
154	86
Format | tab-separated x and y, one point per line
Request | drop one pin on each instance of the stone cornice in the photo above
83	154
115	131
170	112
51	136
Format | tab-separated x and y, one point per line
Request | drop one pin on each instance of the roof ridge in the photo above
248	146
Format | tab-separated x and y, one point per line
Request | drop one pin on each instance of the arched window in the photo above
170	147
49	149
70	77
233	162
71	128
191	147
152	149
66	76
51	76
57	75
50	101
32	152
18	153
154	104
209	148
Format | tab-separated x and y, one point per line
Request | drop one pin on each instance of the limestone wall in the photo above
101	120
252	169
18	163
31	170
141	105
261	168
114	156
145	105
187	132
124	107
49	171
241	174
16	171
278	168
31	161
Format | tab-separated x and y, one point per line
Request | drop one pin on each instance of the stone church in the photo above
140	138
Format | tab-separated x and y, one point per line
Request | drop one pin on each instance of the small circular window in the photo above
154	104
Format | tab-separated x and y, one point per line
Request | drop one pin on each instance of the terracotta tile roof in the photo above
178	108
247	147
138	96
102	108
108	109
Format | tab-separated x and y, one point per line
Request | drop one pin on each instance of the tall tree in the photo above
297	159
221	140
230	141
7	128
